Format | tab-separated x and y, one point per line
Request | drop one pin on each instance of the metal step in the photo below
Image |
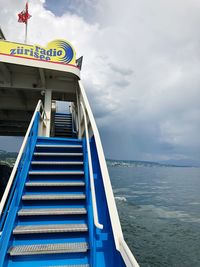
49	228
80	265
56	154
53	197
31	184
52	211
56	172
63	133
63	124
62	116
59	146
63	119
48	249
63	128
60	120
57	162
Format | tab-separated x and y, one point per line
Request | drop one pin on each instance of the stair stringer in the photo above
106	252
21	177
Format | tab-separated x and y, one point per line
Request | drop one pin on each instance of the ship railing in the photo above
42	116
120	244
74	121
94	203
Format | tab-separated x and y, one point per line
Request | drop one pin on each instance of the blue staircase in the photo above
51	224
63	125
48	219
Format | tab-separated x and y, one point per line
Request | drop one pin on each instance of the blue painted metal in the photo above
106	253
102	251
8	220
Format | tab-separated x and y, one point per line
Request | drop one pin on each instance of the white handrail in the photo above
94	204
127	255
117	231
120	244
14	170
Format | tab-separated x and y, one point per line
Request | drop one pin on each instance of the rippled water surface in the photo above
159	209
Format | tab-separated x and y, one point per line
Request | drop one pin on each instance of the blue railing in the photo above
7	219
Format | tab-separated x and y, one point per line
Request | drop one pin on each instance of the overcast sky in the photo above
141	68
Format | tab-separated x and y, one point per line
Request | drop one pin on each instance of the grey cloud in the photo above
122	83
121	70
157	116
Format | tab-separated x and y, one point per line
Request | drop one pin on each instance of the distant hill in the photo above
138	163
8	157
7	161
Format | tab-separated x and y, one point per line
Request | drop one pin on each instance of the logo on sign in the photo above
56	51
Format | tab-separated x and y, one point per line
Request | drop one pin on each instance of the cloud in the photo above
121	70
140	70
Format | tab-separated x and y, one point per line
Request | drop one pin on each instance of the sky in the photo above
141	68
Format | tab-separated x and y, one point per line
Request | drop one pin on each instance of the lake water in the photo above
159	209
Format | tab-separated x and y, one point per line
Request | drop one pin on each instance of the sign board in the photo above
57	51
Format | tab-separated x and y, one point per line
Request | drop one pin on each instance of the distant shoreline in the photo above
10	157
140	163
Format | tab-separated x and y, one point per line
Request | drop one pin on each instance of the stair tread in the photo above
56	172
62	123
54	139
55	184
59	119
56	154
57	162
48	249
53	196
59	146
63	115
52	211
62	119
64	135
63	129
79	265
50	228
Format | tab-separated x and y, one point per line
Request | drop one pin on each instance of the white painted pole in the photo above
26	26
47	108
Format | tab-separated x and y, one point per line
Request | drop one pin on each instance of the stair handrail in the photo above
14	170
120	243
94	203
127	254
73	112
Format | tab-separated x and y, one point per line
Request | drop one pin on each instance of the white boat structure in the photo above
58	208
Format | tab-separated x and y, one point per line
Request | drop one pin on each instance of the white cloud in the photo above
141	69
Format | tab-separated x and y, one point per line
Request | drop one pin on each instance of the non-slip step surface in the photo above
58	146
56	154
79	265
63	128
63	122
48	249
51	184
63	133
53	197
56	172
57	162
52	211
49	228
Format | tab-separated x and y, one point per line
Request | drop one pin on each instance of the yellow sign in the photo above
59	51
